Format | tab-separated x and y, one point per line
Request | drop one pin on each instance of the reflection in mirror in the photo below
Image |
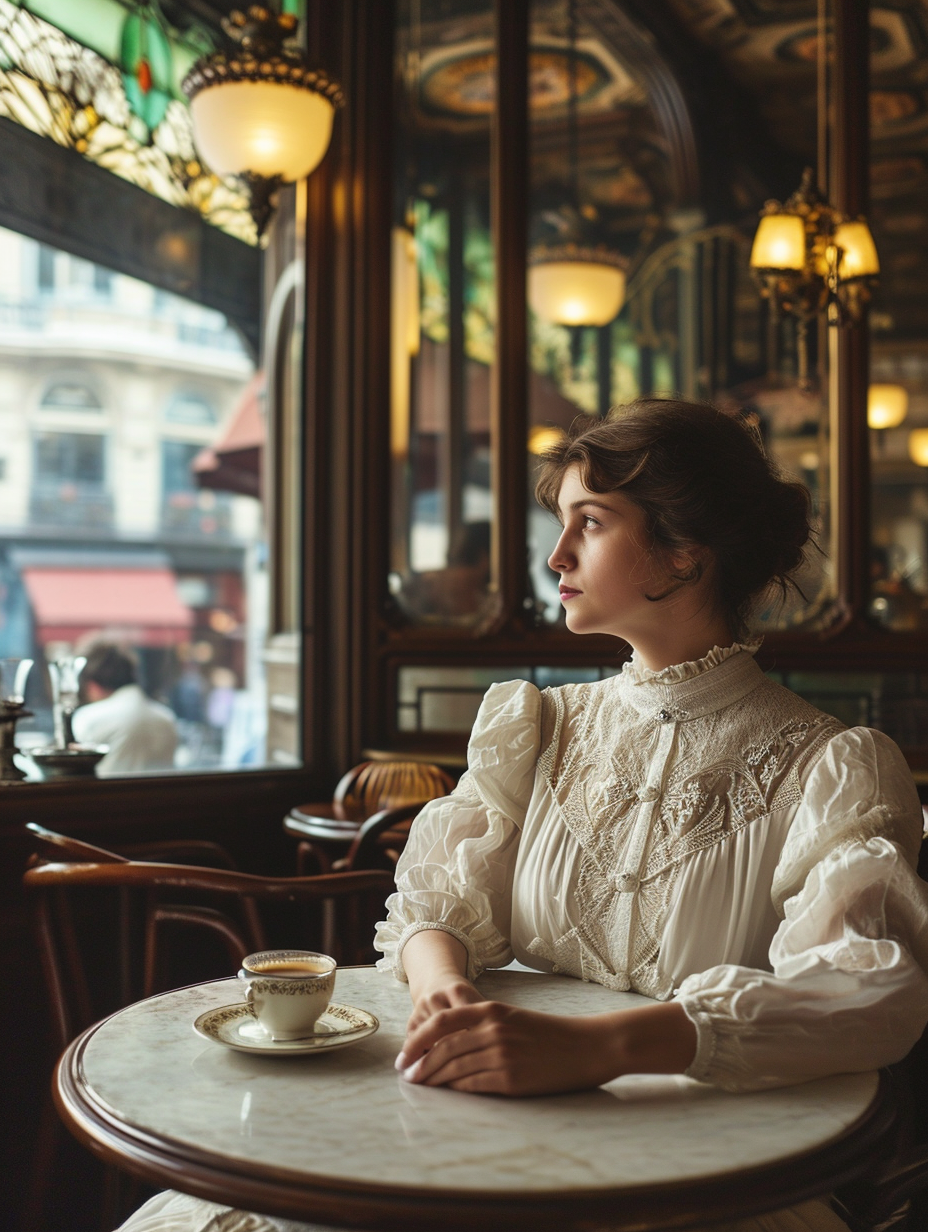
442	328
614	169
898	402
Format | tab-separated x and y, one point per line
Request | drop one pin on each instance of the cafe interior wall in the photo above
732	83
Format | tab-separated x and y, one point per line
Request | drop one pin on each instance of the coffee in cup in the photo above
288	990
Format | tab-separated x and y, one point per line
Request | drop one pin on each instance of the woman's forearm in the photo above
655	1039
432	958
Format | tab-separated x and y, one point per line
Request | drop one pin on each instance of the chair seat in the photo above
318	821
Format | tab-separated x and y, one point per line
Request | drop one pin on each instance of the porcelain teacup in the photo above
287	990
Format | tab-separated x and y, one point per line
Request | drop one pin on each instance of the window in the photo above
137	534
70	458
46	267
190	408
70	396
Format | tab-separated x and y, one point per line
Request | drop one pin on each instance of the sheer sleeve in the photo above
848	989
456	872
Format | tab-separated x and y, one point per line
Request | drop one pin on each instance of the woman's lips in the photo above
568	592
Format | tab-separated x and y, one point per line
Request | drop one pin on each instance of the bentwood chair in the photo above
112	930
379	840
326	831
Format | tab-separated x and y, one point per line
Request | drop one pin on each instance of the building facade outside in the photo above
109	390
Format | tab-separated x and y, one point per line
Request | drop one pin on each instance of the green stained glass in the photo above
145	55
118	109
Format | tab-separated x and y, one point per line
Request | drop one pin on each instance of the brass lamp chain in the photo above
573	90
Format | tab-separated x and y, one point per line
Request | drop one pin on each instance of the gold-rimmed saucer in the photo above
233	1026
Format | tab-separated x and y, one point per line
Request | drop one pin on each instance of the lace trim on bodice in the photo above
637	673
642	793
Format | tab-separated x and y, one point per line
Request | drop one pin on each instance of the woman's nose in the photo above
562	557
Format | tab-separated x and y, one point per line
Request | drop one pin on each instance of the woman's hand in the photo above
436	966
494	1048
443	995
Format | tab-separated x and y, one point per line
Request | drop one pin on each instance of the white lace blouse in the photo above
699	832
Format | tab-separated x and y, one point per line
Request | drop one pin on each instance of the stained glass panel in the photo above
118	101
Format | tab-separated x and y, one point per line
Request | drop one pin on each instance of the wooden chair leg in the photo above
49	1135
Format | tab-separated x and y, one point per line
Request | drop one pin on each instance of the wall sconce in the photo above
887	406
918	446
259	110
807	256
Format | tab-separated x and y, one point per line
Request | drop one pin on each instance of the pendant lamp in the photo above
259	109
572	281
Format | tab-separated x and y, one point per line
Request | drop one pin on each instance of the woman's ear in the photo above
689	564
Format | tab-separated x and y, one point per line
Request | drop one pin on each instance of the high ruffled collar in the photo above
691	690
636	673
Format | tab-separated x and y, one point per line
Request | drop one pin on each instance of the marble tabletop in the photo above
347	1119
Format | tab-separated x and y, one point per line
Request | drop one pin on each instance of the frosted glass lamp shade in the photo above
779	243
887	405
265	128
576	292
858	257
918	446
543	437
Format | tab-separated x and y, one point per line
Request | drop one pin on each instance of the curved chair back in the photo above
380	839
374	785
112	930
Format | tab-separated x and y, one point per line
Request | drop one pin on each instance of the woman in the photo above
687	829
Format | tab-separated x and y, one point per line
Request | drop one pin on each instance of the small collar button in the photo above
664	716
627	883
648	793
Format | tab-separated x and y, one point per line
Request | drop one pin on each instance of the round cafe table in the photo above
340	1139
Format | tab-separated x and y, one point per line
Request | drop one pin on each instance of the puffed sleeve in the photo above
456	872
848	989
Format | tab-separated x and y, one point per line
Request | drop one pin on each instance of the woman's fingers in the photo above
447	1021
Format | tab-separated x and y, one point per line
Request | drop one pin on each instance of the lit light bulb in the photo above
887	405
576	292
543	437
918	446
779	243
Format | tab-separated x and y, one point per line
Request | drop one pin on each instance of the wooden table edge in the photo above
159	1160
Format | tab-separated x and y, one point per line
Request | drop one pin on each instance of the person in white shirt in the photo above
687	829
141	733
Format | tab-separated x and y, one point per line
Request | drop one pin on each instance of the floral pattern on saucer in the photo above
233	1026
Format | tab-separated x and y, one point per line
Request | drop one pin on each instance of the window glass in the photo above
71	397
122	519
898	402
442	327
189	408
69	458
614	181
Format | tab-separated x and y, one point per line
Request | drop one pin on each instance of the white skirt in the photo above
177	1212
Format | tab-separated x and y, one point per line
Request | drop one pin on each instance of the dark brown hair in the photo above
110	666
702	479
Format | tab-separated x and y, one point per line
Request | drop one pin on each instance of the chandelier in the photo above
809	258
259	109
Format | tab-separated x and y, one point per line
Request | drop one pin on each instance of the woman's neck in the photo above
680	642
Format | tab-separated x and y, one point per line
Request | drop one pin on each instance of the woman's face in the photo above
606	563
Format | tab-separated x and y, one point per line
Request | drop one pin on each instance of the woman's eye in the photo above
589	521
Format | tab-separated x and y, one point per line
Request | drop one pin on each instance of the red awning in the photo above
138	606
233	462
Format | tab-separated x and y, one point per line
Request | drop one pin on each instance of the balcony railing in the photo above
43	313
191	516
68	504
